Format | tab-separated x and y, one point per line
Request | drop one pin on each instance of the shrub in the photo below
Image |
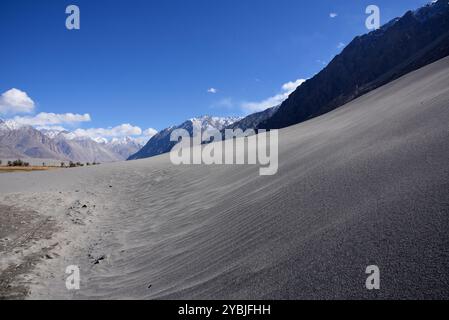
18	163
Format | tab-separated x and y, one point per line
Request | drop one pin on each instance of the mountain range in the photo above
399	47
17	141
160	143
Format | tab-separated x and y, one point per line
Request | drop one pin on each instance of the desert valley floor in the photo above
366	184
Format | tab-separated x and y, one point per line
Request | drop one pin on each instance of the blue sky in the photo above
151	63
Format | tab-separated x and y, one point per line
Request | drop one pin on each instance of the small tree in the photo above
72	165
0	162
62	164
9	163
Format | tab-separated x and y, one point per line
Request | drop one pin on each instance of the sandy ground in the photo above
365	184
24	169
22	235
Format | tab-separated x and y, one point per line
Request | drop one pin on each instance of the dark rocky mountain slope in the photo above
403	45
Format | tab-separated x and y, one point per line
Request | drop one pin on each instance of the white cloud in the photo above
146	136
333	15
291	86
212	90
55	122
142	140
51	128
122	130
341	45
15	101
51	119
287	89
103	135
149	133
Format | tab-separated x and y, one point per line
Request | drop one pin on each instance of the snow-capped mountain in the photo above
253	120
19	141
211	123
124	146
26	142
161	143
51	133
3	126
7	125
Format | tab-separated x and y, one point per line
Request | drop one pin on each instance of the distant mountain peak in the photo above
206	123
28	142
11	125
430	10
123	141
160	143
51	133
